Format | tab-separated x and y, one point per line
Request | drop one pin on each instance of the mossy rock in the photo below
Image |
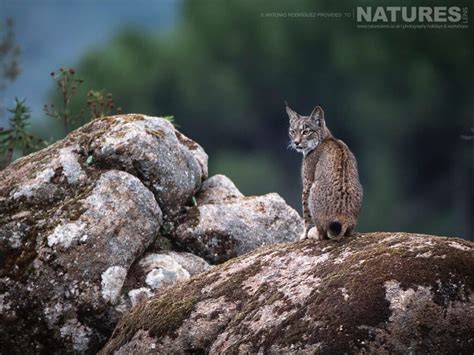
371	293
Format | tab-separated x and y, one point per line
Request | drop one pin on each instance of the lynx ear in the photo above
318	116
291	114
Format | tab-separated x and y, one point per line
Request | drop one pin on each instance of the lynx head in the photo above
306	132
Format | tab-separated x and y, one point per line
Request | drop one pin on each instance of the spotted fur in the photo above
332	193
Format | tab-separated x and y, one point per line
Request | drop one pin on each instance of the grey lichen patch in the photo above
65	163
5	305
112	282
32	186
290	274
65	234
138	295
460	246
68	159
77	333
169	267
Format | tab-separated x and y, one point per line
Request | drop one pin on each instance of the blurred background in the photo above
403	100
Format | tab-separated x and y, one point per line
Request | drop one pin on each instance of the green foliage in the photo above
17	136
67	86
170	119
73	99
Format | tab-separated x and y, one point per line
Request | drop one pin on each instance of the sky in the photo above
55	33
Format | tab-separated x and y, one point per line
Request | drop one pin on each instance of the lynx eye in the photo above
306	132
292	131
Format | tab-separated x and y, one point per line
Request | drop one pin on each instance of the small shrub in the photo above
101	104
67	85
17	136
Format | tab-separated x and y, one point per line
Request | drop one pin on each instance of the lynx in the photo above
332	193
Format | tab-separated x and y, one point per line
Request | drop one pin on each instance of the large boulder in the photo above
217	190
374	293
76	216
171	165
225	223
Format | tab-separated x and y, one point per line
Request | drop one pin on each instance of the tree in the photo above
17	136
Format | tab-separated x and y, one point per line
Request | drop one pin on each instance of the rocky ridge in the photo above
376	293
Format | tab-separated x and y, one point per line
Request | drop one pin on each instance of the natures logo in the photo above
414	14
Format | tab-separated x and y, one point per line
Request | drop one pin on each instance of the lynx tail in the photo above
336	230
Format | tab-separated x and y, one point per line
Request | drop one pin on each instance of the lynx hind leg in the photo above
349	231
313	233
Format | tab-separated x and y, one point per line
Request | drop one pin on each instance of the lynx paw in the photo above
314	234
304	235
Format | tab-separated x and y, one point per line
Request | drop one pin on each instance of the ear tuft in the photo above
291	114
318	115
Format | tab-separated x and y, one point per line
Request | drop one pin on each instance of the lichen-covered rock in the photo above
233	226
63	271
217	189
76	217
156	270
170	164
374	293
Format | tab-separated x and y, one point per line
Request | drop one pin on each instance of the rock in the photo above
198	153
170	164
217	189
156	270
233	226
65	270
76	217
373	293
185	263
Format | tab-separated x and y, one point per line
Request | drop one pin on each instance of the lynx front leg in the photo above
308	223
313	233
